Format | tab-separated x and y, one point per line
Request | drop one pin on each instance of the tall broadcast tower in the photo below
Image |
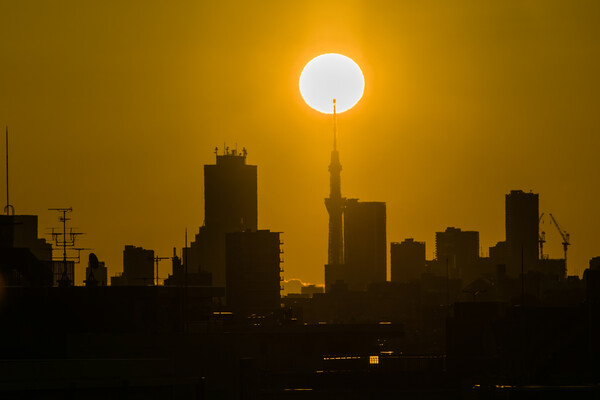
335	202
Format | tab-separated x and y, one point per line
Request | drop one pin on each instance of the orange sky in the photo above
114	106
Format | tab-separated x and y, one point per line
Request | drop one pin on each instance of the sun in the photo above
331	76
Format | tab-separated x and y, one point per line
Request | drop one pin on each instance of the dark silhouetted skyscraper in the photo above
230	194
407	260
461	249
230	205
365	243
253	272
522	231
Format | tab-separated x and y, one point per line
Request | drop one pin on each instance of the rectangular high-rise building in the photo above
522	231
365	245
230	205
230	194
253	272
407	260
460	249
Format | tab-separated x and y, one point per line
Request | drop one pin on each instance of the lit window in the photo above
374	360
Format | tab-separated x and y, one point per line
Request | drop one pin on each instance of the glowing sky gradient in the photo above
114	107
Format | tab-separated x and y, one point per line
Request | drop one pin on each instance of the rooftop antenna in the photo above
66	240
334	127
8	207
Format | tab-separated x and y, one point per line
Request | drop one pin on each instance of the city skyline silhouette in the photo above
185	220
439	136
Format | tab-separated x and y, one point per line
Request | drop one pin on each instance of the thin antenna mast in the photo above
334	127
8	207
7	202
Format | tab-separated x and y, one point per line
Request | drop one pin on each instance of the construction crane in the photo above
565	236
541	237
157	260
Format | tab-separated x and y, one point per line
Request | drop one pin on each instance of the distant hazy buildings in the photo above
253	272
138	268
311	289
230	205
522	231
407	260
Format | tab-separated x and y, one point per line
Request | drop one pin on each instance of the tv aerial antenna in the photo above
66	240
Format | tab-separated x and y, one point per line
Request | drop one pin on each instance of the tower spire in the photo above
334	126
335	203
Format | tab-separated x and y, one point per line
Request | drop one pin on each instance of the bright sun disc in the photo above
331	76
